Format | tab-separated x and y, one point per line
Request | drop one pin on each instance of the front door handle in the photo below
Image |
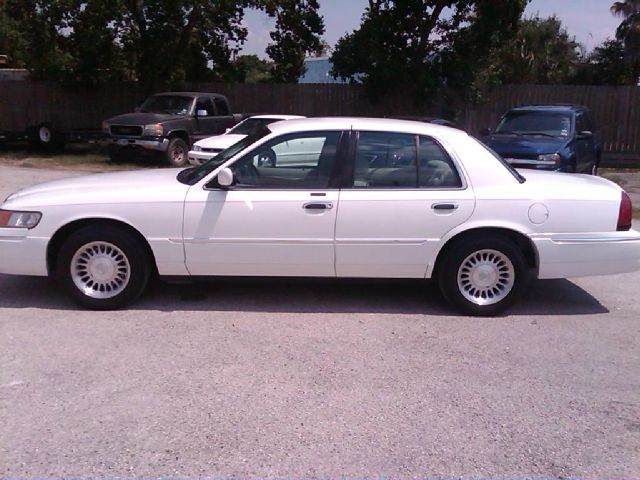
318	206
445	206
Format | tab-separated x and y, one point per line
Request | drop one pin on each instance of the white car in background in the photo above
380	199
207	148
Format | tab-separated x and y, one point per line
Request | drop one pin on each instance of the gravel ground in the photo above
318	378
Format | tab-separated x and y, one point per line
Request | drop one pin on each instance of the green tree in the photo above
416	45
252	69
629	33
604	66
297	33
542	52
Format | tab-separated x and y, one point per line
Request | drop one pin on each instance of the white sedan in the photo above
207	148
381	198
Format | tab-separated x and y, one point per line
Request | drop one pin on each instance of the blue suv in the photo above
548	137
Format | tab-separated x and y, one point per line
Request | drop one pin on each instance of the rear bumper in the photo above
582	255
22	255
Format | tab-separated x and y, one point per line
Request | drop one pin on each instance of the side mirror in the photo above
201	113
585	134
225	177
485	131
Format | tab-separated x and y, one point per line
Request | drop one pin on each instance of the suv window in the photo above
396	160
222	107
205	103
583	123
294	161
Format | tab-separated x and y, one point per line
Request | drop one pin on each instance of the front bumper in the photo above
156	144
21	254
583	255
198	158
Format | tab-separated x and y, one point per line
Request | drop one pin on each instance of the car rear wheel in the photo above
177	152
482	276
103	267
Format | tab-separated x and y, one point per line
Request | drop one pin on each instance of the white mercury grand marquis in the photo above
377	198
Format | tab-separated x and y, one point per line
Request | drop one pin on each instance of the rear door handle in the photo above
318	206
439	207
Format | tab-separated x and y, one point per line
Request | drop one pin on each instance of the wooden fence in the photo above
615	109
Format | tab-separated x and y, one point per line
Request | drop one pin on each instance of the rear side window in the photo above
398	160
221	106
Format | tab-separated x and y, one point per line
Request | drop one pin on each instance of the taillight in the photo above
625	214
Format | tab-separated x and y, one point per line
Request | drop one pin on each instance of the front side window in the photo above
398	160
205	103
294	161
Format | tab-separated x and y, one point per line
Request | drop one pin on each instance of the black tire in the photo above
177	154
505	283
45	138
74	270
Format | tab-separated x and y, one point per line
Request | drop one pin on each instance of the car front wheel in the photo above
103	267
483	276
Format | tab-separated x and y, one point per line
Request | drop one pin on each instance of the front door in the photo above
278	219
406	194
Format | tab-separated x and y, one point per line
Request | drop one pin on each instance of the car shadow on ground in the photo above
413	297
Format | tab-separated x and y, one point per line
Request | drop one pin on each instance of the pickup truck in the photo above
168	124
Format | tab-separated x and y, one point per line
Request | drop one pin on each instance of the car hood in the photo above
220	141
516	144
103	188
141	118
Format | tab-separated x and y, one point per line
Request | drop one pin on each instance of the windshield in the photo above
193	175
250	124
535	123
172	104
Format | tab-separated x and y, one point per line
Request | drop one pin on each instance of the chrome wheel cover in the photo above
44	134
178	154
100	270
486	277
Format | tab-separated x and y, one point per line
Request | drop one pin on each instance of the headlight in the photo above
12	219
549	160
197	148
105	127
154	130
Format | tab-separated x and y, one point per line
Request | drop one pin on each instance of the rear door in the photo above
404	195
586	149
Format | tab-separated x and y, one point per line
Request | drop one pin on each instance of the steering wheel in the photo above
267	158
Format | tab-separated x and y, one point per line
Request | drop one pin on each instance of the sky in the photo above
588	20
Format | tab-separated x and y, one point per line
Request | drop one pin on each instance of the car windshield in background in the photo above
172	104
535	123
251	124
193	175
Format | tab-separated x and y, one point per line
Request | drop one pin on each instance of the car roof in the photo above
277	116
556	107
190	94
362	123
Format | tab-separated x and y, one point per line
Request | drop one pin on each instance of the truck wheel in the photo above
103	267
44	138
483	276
177	152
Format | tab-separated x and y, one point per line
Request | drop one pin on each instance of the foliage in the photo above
629	33
604	66
154	42
298	30
420	45
542	52
252	69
